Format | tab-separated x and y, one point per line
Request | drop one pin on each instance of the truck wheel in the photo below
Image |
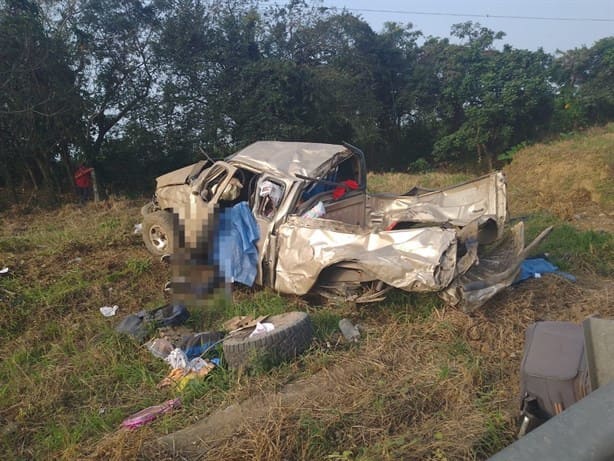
158	232
292	335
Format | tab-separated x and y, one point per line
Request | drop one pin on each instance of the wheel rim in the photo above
158	238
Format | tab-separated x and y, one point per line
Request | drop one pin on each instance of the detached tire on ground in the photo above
292	335
158	232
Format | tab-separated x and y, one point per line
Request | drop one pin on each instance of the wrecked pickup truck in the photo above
321	231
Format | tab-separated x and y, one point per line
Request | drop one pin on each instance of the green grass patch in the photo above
325	323
573	249
16	244
132	269
497	435
408	307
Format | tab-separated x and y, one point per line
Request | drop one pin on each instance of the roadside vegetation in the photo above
135	89
423	382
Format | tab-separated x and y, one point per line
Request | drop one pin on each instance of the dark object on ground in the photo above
583	432
197	344
292	335
158	232
141	323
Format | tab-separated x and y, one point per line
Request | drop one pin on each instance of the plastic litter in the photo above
197	364
262	328
138	228
109	311
149	414
160	347
349	330
316	212
204	371
177	359
536	267
199	343
180	377
4	270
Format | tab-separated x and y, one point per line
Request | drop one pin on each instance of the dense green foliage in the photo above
135	88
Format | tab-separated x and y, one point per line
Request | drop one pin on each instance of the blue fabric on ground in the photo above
235	251
532	266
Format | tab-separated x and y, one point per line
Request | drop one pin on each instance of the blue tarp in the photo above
235	250
530	268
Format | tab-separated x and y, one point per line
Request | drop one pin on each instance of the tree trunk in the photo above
9	183
69	173
32	176
48	180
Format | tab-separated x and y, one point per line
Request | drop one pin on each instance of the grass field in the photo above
424	382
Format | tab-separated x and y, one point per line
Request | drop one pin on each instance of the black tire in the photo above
158	232
292	335
148	208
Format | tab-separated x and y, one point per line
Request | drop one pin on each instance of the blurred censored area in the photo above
196	274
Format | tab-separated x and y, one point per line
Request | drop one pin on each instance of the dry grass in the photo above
567	177
399	183
442	387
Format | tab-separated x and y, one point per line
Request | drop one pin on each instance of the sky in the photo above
574	23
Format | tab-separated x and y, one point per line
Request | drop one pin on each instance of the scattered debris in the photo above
109	311
177	359
4	270
138	228
138	325
198	344
160	347
349	330
180	377
149	414
76	260
536	267
262	328
243	321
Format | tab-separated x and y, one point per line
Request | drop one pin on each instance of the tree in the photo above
39	102
113	51
585	79
489	100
